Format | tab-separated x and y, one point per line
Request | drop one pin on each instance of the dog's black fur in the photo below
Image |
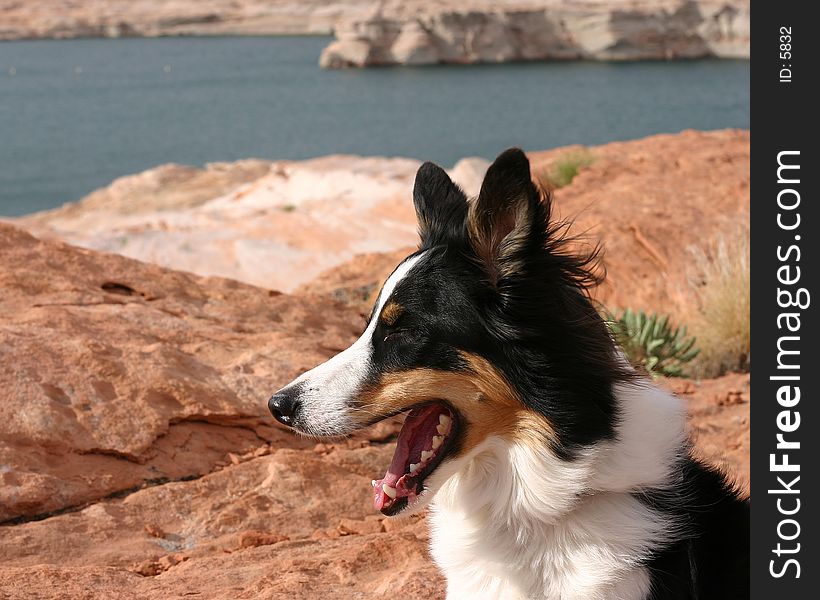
711	558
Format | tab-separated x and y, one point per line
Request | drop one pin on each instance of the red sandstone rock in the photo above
119	373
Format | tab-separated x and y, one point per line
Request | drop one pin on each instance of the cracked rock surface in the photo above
117	373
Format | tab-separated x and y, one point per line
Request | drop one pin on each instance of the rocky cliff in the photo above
423	32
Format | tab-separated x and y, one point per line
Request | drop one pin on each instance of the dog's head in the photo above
485	331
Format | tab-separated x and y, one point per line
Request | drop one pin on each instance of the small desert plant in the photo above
567	166
721	287
650	341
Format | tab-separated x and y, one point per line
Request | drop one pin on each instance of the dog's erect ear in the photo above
508	218
441	207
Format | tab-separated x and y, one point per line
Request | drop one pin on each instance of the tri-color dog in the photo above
552	469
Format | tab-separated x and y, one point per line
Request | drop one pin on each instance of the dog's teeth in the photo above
444	420
373	482
425	454
414	467
437	439
390	491
441	429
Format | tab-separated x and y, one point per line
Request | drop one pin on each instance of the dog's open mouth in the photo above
424	440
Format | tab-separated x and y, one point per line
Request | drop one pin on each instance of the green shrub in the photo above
566	167
650	341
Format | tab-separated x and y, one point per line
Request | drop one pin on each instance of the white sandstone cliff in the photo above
423	32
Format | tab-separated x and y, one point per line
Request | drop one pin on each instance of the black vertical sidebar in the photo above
785	420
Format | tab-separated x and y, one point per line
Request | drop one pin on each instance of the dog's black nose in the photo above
284	406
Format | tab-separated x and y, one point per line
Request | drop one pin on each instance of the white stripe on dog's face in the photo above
325	392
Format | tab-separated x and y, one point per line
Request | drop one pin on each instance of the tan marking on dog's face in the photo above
486	402
391	313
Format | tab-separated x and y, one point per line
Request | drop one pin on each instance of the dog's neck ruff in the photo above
517	522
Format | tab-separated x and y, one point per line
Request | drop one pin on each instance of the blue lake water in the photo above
76	114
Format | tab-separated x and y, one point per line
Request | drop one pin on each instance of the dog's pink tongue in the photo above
415	431
398	466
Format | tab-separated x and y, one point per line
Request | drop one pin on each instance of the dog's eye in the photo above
395	334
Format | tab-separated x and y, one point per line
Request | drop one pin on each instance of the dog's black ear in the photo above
508	219
441	207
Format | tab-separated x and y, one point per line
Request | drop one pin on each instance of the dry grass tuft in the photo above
720	281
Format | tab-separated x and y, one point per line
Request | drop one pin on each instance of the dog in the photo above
552	469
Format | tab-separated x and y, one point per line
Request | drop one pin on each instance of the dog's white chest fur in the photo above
516	522
483	560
